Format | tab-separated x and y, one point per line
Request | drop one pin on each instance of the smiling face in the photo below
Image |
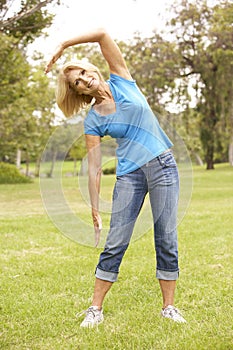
84	81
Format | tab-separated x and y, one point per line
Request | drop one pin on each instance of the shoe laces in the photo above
90	313
173	312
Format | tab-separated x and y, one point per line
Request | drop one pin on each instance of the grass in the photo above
47	278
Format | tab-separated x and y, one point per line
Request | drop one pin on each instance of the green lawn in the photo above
47	278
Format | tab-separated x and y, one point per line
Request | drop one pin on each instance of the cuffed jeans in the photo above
160	179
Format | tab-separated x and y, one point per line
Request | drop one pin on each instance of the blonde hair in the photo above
68	99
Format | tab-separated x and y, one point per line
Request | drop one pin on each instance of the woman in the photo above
145	165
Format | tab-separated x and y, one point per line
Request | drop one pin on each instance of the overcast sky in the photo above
122	18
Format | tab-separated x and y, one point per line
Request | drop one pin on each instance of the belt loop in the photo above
161	161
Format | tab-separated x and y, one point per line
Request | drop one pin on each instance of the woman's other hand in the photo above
97	221
58	52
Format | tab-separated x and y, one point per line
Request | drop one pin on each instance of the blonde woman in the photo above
145	165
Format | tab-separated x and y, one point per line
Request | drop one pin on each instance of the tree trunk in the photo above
198	159
208	136
50	174
230	151
18	158
37	167
210	157
210	165
75	167
210	153
27	166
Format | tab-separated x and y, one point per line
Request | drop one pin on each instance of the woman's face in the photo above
85	82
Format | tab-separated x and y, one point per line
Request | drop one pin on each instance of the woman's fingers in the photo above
97	236
97	227
50	63
54	58
48	67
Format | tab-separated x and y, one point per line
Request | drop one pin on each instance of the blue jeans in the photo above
160	179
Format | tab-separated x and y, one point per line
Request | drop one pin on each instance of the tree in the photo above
28	21
34	120
26	101
78	152
13	83
204	39
26	104
152	64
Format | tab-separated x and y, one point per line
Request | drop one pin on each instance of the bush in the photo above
9	174
109	171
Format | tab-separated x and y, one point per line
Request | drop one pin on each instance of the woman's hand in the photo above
97	225
58	52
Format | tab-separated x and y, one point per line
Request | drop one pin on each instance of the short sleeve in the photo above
91	128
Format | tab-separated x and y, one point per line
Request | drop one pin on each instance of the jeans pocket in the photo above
169	168
167	160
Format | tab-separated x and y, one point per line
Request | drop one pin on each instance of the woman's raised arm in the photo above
108	46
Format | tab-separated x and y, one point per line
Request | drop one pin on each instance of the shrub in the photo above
9	174
109	171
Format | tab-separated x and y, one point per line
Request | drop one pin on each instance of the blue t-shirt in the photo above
134	126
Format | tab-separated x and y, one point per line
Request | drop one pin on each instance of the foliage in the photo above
109	171
27	119
13	82
204	38
78	149
9	174
67	141
26	101
36	118
152	64
28	20
15	71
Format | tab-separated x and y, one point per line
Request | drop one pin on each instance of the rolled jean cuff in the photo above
167	275
106	275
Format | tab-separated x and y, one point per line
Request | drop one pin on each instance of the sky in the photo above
122	18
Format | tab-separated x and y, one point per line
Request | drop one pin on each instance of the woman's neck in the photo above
104	102
103	95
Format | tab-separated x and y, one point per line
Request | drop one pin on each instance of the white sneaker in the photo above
173	313
94	316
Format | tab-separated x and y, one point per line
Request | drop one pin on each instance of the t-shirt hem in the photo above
141	165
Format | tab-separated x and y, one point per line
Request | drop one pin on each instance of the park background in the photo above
183	63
